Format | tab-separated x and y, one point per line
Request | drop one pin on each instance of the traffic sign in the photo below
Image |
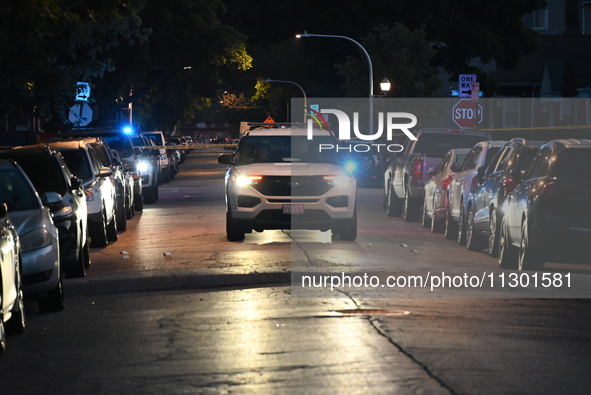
465	84
80	114
467	114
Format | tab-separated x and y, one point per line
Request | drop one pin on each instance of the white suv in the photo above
278	179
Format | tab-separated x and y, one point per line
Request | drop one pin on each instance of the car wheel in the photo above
232	232
473	241
2	331
349	231
16	324
79	269
437	225
409	208
150	194
393	204
98	233
121	215
530	257
507	253
166	176
54	299
424	220
112	234
462	226
493	238
138	202
451	229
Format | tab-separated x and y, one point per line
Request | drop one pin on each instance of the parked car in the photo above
120	141
461	185
173	160
99	188
494	183
158	138
124	184
12	308
278	179
39	239
406	172
47	170
548	215
149	165
435	203
177	143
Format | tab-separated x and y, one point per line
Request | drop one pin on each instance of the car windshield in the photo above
260	149
440	143
573	165
120	144
78	163
16	192
45	173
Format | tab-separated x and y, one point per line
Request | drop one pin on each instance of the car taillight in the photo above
417	170
446	182
509	185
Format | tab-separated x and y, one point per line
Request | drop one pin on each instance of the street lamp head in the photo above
304	34
385	85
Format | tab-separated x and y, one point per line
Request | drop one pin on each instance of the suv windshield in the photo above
265	149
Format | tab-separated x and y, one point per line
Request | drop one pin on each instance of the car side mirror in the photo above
51	198
3	210
137	151
454	167
225	159
76	182
105	172
431	171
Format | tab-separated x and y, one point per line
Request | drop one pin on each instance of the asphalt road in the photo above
174	308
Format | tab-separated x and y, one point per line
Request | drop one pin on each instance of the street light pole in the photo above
372	98
293	83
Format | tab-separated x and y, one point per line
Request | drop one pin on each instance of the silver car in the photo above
12	309
39	240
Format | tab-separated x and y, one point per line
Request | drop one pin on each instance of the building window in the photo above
538	19
511	116
586	17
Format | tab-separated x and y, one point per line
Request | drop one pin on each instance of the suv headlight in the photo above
243	180
340	180
143	166
35	239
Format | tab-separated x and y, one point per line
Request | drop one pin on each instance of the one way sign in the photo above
465	84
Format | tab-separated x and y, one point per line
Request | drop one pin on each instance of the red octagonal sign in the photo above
467	114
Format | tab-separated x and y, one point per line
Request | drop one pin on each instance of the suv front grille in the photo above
292	186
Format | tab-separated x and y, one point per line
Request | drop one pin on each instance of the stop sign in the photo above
467	114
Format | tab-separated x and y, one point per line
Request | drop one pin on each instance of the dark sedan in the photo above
548	216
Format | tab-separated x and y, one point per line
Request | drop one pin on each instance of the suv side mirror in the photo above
455	167
225	159
137	151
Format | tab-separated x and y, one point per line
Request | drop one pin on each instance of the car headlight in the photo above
35	239
143	166
243	180
340	180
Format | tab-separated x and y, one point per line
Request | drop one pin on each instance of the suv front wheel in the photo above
233	232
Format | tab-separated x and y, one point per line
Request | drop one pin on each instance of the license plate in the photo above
293	209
